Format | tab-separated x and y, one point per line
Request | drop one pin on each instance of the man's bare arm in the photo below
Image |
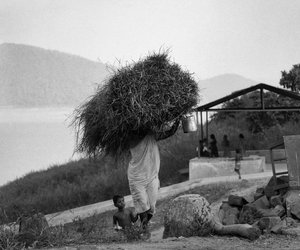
114	221
166	134
133	216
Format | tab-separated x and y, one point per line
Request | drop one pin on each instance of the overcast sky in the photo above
254	38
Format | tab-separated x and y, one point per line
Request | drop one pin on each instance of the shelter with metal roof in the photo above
212	106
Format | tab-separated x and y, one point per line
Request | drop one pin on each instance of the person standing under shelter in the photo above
226	146
213	146
143	171
241	144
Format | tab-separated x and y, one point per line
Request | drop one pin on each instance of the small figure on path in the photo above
238	158
226	146
213	146
124	217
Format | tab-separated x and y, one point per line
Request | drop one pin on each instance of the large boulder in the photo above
188	215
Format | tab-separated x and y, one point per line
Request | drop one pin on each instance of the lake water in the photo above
34	139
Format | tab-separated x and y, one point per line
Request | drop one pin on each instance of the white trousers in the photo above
144	196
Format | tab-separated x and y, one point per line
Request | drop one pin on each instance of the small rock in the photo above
260	190
279	210
291	231
230	214
267	223
269	188
249	214
259	193
276	200
237	201
262	202
257	196
266	212
277	229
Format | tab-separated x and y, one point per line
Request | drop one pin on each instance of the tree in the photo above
291	80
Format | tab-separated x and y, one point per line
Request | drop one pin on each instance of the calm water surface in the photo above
34	139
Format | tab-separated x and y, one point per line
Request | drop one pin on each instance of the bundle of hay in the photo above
146	95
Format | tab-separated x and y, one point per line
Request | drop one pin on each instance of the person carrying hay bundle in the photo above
143	171
138	105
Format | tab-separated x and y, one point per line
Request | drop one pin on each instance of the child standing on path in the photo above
238	158
124	217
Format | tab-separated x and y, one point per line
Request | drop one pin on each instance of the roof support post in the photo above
201	126
197	120
262	103
206	124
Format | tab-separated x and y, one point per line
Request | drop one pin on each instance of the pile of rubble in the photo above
272	210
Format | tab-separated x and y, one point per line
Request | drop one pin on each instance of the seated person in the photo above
124	217
204	151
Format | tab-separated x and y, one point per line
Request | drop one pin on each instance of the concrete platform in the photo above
204	167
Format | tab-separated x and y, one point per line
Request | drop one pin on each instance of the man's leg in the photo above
139	197
144	219
152	191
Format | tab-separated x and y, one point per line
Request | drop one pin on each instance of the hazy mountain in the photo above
32	76
222	85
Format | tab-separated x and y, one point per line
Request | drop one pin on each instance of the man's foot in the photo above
146	234
149	215
144	220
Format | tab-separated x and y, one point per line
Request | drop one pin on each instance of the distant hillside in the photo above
32	76
222	85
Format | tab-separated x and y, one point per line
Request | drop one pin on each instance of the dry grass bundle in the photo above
146	95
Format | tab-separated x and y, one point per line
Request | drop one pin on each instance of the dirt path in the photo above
204	243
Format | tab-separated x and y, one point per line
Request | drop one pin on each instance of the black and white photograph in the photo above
149	124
